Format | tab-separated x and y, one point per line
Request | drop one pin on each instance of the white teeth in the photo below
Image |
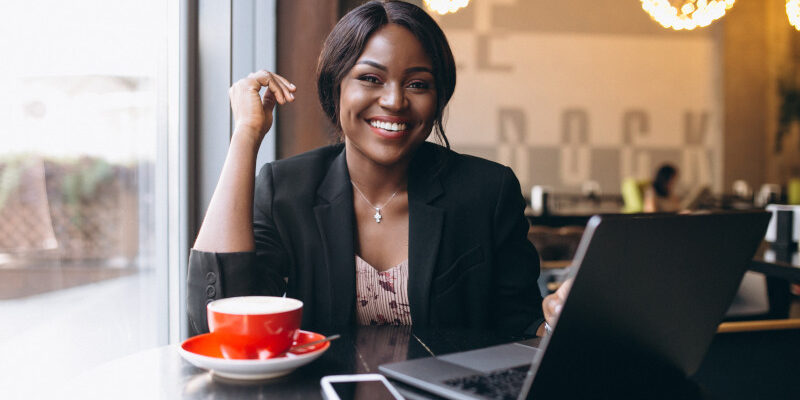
389	126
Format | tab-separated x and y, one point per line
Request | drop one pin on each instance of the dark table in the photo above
776	264
780	269
743	365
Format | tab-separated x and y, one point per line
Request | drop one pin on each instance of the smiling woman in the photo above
384	228
345	47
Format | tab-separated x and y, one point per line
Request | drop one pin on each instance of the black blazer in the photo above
470	262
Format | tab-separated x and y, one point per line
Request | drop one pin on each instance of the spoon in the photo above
300	346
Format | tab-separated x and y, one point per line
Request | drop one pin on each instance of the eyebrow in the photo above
383	67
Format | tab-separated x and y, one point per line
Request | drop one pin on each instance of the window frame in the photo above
220	42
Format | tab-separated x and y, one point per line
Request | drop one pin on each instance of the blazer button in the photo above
211	278
210	291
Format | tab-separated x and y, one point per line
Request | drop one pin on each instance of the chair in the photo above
633	194
556	247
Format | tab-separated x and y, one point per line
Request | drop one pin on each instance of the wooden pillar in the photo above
745	87
302	26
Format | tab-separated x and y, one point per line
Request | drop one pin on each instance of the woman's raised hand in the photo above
252	113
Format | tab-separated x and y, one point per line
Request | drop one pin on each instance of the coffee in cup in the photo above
254	327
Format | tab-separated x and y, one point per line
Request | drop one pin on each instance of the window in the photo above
84	122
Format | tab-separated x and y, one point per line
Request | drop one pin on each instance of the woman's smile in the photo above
390	127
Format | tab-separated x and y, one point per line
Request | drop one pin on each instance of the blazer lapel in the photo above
334	215
425	233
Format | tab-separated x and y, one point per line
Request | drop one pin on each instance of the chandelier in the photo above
443	7
690	15
793	12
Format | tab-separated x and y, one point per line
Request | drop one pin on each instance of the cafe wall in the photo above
569	91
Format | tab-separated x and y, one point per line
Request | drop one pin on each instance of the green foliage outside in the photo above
81	179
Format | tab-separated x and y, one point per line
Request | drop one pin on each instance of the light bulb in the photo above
793	13
691	15
443	7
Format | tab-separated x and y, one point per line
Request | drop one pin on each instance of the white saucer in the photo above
203	352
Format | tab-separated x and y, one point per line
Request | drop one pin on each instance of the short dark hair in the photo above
348	38
663	176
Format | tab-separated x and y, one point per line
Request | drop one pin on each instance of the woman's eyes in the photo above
375	80
369	78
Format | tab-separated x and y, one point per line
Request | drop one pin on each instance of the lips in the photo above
389	127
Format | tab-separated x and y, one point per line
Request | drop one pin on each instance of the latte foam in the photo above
250	305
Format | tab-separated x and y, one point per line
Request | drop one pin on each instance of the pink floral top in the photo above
382	297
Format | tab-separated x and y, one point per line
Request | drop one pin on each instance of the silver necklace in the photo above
377	215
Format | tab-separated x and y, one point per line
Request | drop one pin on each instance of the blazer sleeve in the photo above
214	276
518	302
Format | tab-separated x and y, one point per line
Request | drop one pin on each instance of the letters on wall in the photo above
565	107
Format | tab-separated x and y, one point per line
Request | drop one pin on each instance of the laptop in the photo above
648	294
695	198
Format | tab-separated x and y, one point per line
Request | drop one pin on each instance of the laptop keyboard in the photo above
503	384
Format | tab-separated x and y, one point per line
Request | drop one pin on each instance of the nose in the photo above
393	98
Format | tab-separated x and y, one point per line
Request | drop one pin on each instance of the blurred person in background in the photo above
660	195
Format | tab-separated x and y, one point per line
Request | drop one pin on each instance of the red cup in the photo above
254	327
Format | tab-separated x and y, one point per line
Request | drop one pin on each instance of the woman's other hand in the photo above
552	304
252	113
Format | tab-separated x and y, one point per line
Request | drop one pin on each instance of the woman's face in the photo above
388	99
672	183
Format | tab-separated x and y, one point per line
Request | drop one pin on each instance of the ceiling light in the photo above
443	7
689	14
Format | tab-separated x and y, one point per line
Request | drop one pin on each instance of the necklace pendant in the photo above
377	215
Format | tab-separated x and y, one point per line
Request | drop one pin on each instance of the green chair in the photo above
633	195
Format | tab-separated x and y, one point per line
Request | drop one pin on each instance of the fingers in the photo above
553	303
552	307
292	88
254	111
279	86
268	101
563	290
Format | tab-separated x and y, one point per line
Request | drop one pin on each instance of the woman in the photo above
384	228
660	196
